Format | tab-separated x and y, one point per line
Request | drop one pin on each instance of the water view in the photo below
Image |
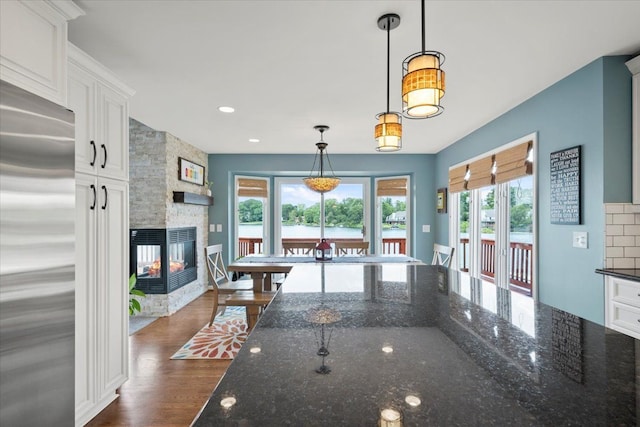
302	231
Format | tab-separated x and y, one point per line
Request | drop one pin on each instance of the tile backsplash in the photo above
622	241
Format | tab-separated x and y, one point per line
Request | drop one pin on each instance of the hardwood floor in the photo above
162	392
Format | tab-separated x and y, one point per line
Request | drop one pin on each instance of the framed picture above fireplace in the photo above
190	172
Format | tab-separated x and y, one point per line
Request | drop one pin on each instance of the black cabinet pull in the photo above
104	149
104	188
95	152
93	206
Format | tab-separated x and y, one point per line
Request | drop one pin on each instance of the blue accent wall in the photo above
591	108
421	167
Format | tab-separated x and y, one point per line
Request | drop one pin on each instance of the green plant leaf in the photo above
137	292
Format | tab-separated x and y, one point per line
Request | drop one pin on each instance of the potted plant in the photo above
134	304
208	184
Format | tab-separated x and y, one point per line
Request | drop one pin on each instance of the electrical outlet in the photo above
580	239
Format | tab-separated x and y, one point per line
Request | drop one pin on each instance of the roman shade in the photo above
512	163
503	166
392	187
248	187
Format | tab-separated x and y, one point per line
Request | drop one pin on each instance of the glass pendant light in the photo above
321	183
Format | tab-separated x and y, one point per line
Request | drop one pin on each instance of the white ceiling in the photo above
289	65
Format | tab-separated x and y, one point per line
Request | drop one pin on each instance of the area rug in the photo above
220	341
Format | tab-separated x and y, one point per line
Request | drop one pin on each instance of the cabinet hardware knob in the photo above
104	188
95	153
93	206
104	149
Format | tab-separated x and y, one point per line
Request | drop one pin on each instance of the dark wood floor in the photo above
162	392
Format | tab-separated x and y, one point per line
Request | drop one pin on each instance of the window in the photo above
392	215
493	221
252	215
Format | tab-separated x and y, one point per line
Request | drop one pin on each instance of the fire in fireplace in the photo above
163	260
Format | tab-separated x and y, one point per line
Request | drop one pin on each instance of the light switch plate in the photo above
212	228
580	239
219	228
426	228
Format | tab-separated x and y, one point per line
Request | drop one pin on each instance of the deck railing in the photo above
253	245
520	257
520	263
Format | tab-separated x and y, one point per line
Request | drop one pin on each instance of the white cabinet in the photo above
102	233
634	67
33	45
622	309
102	117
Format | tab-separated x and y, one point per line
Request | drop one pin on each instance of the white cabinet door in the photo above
82	101
33	45
85	352
100	102
113	130
112	280
102	293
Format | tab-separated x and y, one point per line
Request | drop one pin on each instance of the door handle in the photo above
95	153
104	149
104	206
93	206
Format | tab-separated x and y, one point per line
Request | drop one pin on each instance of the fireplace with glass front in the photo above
163	259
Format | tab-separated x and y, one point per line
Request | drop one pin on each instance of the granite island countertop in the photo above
623	273
433	344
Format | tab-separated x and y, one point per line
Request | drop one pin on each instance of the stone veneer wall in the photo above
153	163
622	243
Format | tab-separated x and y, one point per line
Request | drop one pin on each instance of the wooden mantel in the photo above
192	198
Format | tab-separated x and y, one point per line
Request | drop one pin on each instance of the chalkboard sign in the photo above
565	186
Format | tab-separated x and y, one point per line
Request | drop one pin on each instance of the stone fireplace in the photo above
153	177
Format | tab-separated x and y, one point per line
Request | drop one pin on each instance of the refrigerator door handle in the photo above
93	206
95	153
104	188
104	149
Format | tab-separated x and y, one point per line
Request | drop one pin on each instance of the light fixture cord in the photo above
388	55
424	36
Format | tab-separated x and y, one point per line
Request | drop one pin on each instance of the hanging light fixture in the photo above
321	183
388	131
422	81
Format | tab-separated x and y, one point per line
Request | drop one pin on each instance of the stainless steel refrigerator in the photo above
37	260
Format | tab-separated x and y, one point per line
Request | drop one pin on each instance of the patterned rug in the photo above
220	341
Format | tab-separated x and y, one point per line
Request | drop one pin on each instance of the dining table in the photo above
261	267
408	344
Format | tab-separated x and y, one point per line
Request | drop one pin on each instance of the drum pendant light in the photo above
423	82
388	131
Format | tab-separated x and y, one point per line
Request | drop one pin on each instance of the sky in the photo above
296	194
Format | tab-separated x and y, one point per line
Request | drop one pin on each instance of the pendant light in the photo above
422	81
321	183
388	131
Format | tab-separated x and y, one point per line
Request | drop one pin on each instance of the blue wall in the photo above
421	167
591	108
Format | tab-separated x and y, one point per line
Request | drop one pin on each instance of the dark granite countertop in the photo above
623	273
458	352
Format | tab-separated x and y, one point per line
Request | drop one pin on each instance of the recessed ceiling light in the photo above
226	109
254	140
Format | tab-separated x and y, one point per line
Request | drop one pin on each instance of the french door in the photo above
492	225
393	220
252	215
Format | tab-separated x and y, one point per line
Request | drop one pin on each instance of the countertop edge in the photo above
622	273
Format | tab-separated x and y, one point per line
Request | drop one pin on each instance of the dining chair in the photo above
352	248
254	302
215	263
298	248
442	255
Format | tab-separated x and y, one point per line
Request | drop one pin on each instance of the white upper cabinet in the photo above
634	67
100	102
33	45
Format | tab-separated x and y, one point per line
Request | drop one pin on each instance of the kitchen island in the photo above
417	345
